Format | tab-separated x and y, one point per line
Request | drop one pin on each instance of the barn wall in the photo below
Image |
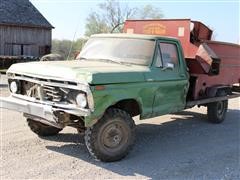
28	41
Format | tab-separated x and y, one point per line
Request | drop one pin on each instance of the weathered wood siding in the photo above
16	40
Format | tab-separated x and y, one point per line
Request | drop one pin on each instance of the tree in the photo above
149	12
111	15
95	25
63	47
115	14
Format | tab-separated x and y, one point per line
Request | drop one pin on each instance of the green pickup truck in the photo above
113	79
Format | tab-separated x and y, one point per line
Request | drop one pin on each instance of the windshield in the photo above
131	51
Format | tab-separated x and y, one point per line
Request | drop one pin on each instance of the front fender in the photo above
112	94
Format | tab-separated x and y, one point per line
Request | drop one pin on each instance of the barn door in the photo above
21	49
30	50
17	50
8	49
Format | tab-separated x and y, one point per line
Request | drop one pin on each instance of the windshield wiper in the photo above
111	61
82	58
105	60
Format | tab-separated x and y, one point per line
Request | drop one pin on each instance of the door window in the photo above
169	54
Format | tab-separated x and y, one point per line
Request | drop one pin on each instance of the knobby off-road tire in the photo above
217	110
42	129
112	137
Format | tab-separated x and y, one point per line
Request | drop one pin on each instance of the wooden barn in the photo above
23	30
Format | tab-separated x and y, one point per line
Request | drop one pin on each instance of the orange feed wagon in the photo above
210	63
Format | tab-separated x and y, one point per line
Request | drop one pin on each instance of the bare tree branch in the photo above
112	14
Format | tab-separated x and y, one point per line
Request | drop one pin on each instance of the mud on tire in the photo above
42	129
112	137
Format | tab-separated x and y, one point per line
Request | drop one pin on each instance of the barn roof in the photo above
21	13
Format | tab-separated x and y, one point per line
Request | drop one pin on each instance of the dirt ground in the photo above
176	146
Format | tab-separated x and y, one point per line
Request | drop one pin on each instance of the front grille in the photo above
44	92
47	90
44	80
30	89
52	93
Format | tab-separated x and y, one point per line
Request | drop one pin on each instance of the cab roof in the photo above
133	36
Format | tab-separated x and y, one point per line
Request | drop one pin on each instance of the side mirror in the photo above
168	66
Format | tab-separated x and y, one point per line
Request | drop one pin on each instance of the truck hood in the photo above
82	71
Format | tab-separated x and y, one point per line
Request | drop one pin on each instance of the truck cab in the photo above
155	86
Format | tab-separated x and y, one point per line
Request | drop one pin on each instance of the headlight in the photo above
81	100
13	87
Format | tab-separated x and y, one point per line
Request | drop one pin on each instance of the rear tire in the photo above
42	129
217	110
112	137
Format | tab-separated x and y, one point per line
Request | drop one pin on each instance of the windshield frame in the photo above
149	64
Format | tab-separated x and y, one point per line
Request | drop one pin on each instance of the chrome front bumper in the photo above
43	112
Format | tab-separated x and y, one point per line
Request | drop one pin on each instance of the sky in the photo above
69	16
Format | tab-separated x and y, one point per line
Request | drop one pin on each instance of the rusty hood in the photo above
91	72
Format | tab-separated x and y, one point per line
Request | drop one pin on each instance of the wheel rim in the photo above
114	136
220	108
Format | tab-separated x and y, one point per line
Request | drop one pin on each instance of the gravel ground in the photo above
176	146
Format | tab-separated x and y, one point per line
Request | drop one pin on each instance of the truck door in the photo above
169	77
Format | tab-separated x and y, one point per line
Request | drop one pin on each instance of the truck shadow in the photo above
179	146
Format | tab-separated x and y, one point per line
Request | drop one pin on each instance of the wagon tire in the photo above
112	137
217	110
42	129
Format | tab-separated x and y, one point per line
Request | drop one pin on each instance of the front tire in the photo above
42	129
112	137
217	110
